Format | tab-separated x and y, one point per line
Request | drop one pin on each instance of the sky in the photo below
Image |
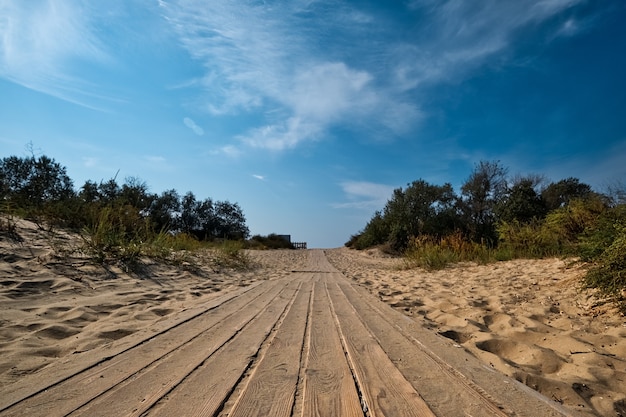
308	113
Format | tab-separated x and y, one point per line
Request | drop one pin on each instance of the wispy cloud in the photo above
301	67
154	159
42	43
259	177
193	126
265	57
90	161
364	195
461	36
230	151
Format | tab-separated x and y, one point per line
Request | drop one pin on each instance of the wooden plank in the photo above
71	394
138	393
329	388
384	389
270	390
206	390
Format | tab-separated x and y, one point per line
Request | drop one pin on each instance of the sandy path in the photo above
271	345
81	339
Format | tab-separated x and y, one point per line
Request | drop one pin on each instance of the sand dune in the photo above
54	303
527	318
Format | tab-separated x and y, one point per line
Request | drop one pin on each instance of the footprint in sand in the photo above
523	355
115	334
57	332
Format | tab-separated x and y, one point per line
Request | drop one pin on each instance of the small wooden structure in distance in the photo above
296	245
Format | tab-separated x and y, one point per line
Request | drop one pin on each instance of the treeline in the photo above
489	199
40	188
498	217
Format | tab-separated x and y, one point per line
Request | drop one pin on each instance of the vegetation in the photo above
118	223
496	217
271	241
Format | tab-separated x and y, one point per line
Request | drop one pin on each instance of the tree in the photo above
135	193
616	193
209	220
420	209
164	211
89	192
559	194
109	191
480	194
34	182
521	203
428	208
376	232
231	221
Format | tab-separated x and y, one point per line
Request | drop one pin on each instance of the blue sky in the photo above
309	113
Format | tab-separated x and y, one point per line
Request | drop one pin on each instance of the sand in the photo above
525	318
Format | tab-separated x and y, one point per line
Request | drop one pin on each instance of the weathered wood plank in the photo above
385	390
329	388
137	394
270	390
206	390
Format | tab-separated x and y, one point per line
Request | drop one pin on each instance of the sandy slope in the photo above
527	318
55	304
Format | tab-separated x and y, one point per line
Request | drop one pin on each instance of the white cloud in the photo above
42	41
258	56
461	36
259	177
229	150
301	67
365	195
328	91
154	159
90	161
193	126
283	135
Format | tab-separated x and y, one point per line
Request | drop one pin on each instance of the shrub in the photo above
608	274
428	254
8	228
437	253
117	233
530	240
271	241
605	247
230	254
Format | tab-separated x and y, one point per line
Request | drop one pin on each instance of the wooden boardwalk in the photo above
311	344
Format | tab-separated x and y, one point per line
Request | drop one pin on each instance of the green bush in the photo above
117	233
230	254
531	240
271	241
608	274
605	248
430	256
433	253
